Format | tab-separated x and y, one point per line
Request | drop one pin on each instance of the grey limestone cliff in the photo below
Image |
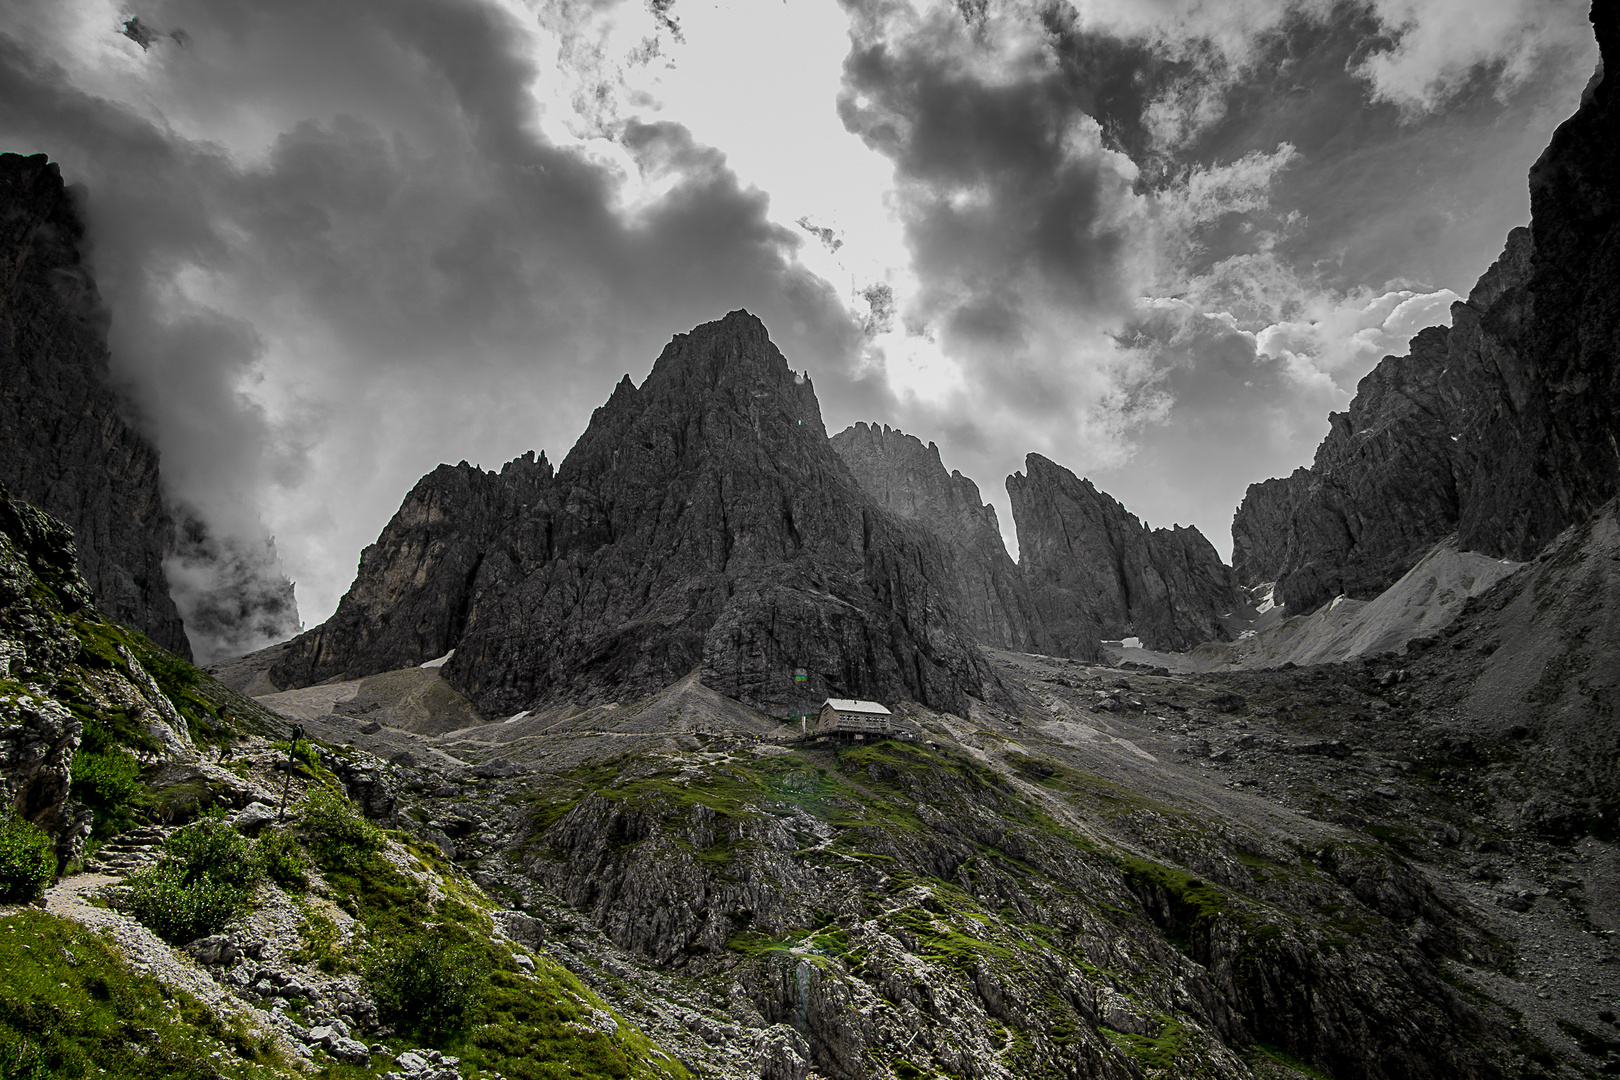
908	478
1096	572
65	445
1381	491
1501	428
411	595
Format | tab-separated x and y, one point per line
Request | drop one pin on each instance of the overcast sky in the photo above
1154	240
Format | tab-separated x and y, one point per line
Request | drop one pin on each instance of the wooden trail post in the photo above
292	757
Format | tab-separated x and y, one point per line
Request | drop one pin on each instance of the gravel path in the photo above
150	955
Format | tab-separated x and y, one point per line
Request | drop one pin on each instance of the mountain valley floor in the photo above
1253	873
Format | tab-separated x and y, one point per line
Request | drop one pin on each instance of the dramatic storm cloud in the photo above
1155	240
1159	241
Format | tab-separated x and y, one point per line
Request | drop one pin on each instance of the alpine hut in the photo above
847	716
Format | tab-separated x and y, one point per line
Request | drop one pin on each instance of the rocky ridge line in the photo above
908	478
702	521
1500	428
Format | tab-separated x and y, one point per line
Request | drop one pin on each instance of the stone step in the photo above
135	849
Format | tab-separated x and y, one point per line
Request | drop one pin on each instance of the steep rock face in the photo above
64	446
701	520
1097	572
1380	493
1260	530
908	478
410	598
1502	429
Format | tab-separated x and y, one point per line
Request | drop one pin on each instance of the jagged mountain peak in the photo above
527	462
702	521
723	380
907	478
1040	469
1097	572
734	350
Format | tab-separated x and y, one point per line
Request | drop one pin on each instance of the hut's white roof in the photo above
851	705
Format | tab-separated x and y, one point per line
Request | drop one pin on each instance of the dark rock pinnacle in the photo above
702	521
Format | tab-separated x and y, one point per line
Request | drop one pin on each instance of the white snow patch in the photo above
516	716
440	662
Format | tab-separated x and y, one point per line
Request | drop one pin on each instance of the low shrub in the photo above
307	758
427	984
27	860
320	942
109	783
337	834
284	859
211	847
180	911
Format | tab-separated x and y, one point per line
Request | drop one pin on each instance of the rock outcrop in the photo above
908	478
38	735
702	521
1096	572
1501	429
1381	493
64	444
411	597
1262	527
74	684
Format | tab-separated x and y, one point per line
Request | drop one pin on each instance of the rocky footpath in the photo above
1096	572
907	478
284	986
701	522
96	722
65	445
1502	427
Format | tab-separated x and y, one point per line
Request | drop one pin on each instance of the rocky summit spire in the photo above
1097	572
908	478
702	521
